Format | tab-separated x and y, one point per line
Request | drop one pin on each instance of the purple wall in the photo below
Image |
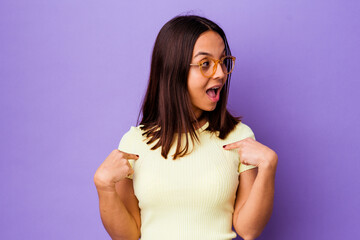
73	74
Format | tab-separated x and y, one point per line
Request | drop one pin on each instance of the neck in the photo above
200	121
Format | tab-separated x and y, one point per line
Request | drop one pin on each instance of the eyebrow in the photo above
202	53
205	53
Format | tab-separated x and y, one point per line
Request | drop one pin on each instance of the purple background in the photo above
73	74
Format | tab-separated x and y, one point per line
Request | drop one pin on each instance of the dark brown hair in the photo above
166	108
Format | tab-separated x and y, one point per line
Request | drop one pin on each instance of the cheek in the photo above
196	84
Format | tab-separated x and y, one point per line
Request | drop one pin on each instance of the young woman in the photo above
190	170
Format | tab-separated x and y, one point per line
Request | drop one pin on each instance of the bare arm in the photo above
120	216
255	196
118	205
254	204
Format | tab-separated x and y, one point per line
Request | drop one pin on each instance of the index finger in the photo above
233	145
130	155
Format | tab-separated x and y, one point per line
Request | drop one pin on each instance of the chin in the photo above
209	108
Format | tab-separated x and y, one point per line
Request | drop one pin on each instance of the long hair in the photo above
166	108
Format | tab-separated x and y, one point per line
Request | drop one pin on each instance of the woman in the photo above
190	170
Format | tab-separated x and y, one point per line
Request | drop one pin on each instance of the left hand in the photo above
251	152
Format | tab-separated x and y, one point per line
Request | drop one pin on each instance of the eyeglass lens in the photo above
208	66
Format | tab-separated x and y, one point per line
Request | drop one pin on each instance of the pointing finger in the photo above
232	145
130	156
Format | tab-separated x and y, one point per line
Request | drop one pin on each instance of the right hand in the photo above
115	168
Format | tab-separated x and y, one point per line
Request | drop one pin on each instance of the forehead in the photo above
209	42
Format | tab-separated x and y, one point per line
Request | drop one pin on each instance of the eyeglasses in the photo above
208	65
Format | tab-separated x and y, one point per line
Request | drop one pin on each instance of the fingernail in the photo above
224	146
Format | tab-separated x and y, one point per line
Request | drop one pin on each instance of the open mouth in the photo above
213	93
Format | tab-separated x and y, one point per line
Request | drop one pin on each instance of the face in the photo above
201	89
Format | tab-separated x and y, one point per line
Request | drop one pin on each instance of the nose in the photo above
219	73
